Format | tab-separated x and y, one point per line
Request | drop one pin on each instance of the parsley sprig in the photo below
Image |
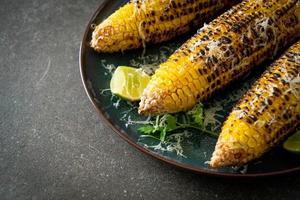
166	124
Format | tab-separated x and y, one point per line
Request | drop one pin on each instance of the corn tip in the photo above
225	156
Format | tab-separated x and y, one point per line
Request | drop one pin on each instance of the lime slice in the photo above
129	83
293	143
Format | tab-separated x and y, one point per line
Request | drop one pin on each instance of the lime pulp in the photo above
292	144
129	83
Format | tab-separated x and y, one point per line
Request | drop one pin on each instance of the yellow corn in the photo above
265	115
221	52
152	21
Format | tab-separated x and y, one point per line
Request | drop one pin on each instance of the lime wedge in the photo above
292	144
129	83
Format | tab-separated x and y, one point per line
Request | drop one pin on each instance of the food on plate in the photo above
152	21
292	144
222	51
265	115
129	82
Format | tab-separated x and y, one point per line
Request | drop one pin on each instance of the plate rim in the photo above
125	137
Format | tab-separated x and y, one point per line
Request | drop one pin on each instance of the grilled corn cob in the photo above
266	113
152	21
221	52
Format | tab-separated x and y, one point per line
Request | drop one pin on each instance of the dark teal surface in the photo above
197	147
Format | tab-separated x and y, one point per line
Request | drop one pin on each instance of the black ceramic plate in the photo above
189	150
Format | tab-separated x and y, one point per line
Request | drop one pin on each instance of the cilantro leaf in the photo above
147	129
170	122
197	114
166	124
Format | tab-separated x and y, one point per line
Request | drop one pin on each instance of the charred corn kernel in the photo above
152	21
224	50
265	115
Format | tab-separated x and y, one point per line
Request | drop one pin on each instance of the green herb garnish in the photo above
168	124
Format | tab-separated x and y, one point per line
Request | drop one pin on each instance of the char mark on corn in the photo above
265	115
152	21
221	52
